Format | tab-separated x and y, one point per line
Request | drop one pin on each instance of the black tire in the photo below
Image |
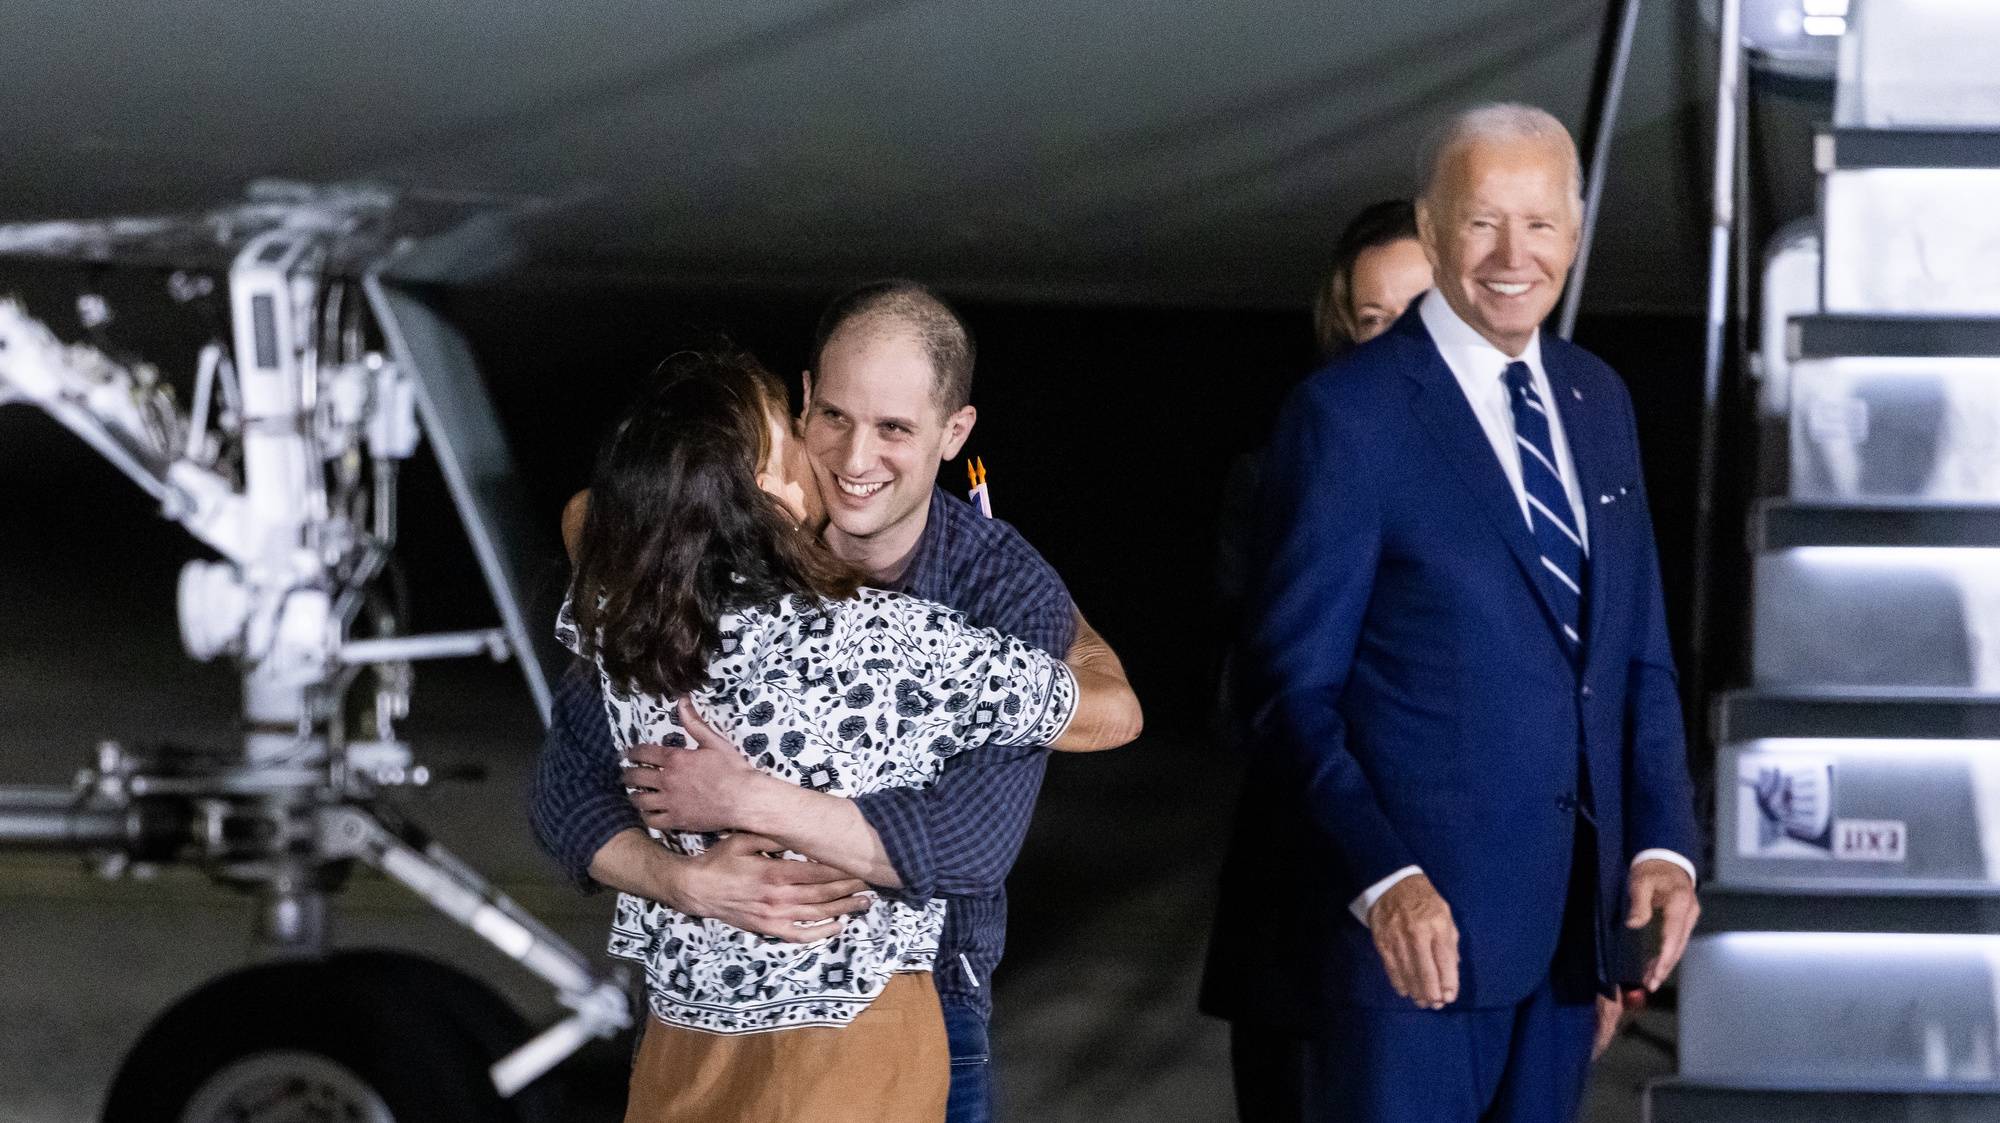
398	1034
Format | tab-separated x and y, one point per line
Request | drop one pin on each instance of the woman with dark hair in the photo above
700	583
1379	267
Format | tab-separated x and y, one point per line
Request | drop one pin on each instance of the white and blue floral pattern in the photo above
844	697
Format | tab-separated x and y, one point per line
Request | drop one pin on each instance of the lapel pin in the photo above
1576	393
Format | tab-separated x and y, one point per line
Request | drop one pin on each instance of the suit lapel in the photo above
1440	404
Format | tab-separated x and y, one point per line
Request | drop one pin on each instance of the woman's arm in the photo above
1107	711
714	787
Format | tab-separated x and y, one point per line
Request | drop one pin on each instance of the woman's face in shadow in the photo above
786	475
1386	279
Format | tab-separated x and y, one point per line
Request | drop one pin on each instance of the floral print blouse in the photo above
845	697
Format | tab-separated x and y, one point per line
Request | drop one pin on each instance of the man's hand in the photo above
1663	887
706	788
713	788
795	901
733	882
1418	942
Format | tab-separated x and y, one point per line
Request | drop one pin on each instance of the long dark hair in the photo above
678	532
1378	224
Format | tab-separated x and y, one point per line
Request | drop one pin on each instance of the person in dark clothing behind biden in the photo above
1466	764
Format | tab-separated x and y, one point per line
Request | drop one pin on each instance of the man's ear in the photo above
806	378
957	427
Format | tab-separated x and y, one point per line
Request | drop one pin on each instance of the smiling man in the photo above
1466	761
891	401
888	401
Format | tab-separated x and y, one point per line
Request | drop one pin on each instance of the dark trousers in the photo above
1515	1064
1525	1063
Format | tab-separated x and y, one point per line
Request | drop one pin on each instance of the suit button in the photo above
1566	803
1585	691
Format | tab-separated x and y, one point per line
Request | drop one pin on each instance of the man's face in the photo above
874	431
1501	233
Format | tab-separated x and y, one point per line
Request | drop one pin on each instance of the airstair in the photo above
1848	962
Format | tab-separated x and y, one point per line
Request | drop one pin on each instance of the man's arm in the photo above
1660	832
582	819
733	882
575	802
573	515
1659	794
712	787
961	836
958	837
1100	674
1319	546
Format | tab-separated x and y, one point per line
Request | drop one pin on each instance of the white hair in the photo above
1497	121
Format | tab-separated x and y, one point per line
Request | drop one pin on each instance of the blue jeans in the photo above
971	1066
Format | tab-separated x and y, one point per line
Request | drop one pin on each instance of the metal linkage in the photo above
406	855
37	817
125	415
287	467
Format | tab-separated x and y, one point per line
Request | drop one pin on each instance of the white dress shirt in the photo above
1481	369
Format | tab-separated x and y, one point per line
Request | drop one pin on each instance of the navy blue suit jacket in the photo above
1412	702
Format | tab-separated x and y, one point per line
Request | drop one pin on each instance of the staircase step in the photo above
1751	715
1678	1100
1918	64
1851	149
1845	602
1913	241
1904	336
1787	525
1854	1009
1728	907
1895	429
1884	817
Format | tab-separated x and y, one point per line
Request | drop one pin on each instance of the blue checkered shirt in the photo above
956	839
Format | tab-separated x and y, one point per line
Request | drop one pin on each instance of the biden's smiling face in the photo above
1500	227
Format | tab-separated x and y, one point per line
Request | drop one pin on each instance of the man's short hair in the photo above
1495	121
899	304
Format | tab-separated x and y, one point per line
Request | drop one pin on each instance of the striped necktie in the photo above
1549	511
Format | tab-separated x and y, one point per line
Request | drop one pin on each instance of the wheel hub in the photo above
286	1086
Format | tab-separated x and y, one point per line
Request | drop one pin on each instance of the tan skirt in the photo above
892	1064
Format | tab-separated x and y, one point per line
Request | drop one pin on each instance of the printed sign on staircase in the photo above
1787	807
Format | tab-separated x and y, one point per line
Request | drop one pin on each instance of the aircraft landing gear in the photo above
360	1037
